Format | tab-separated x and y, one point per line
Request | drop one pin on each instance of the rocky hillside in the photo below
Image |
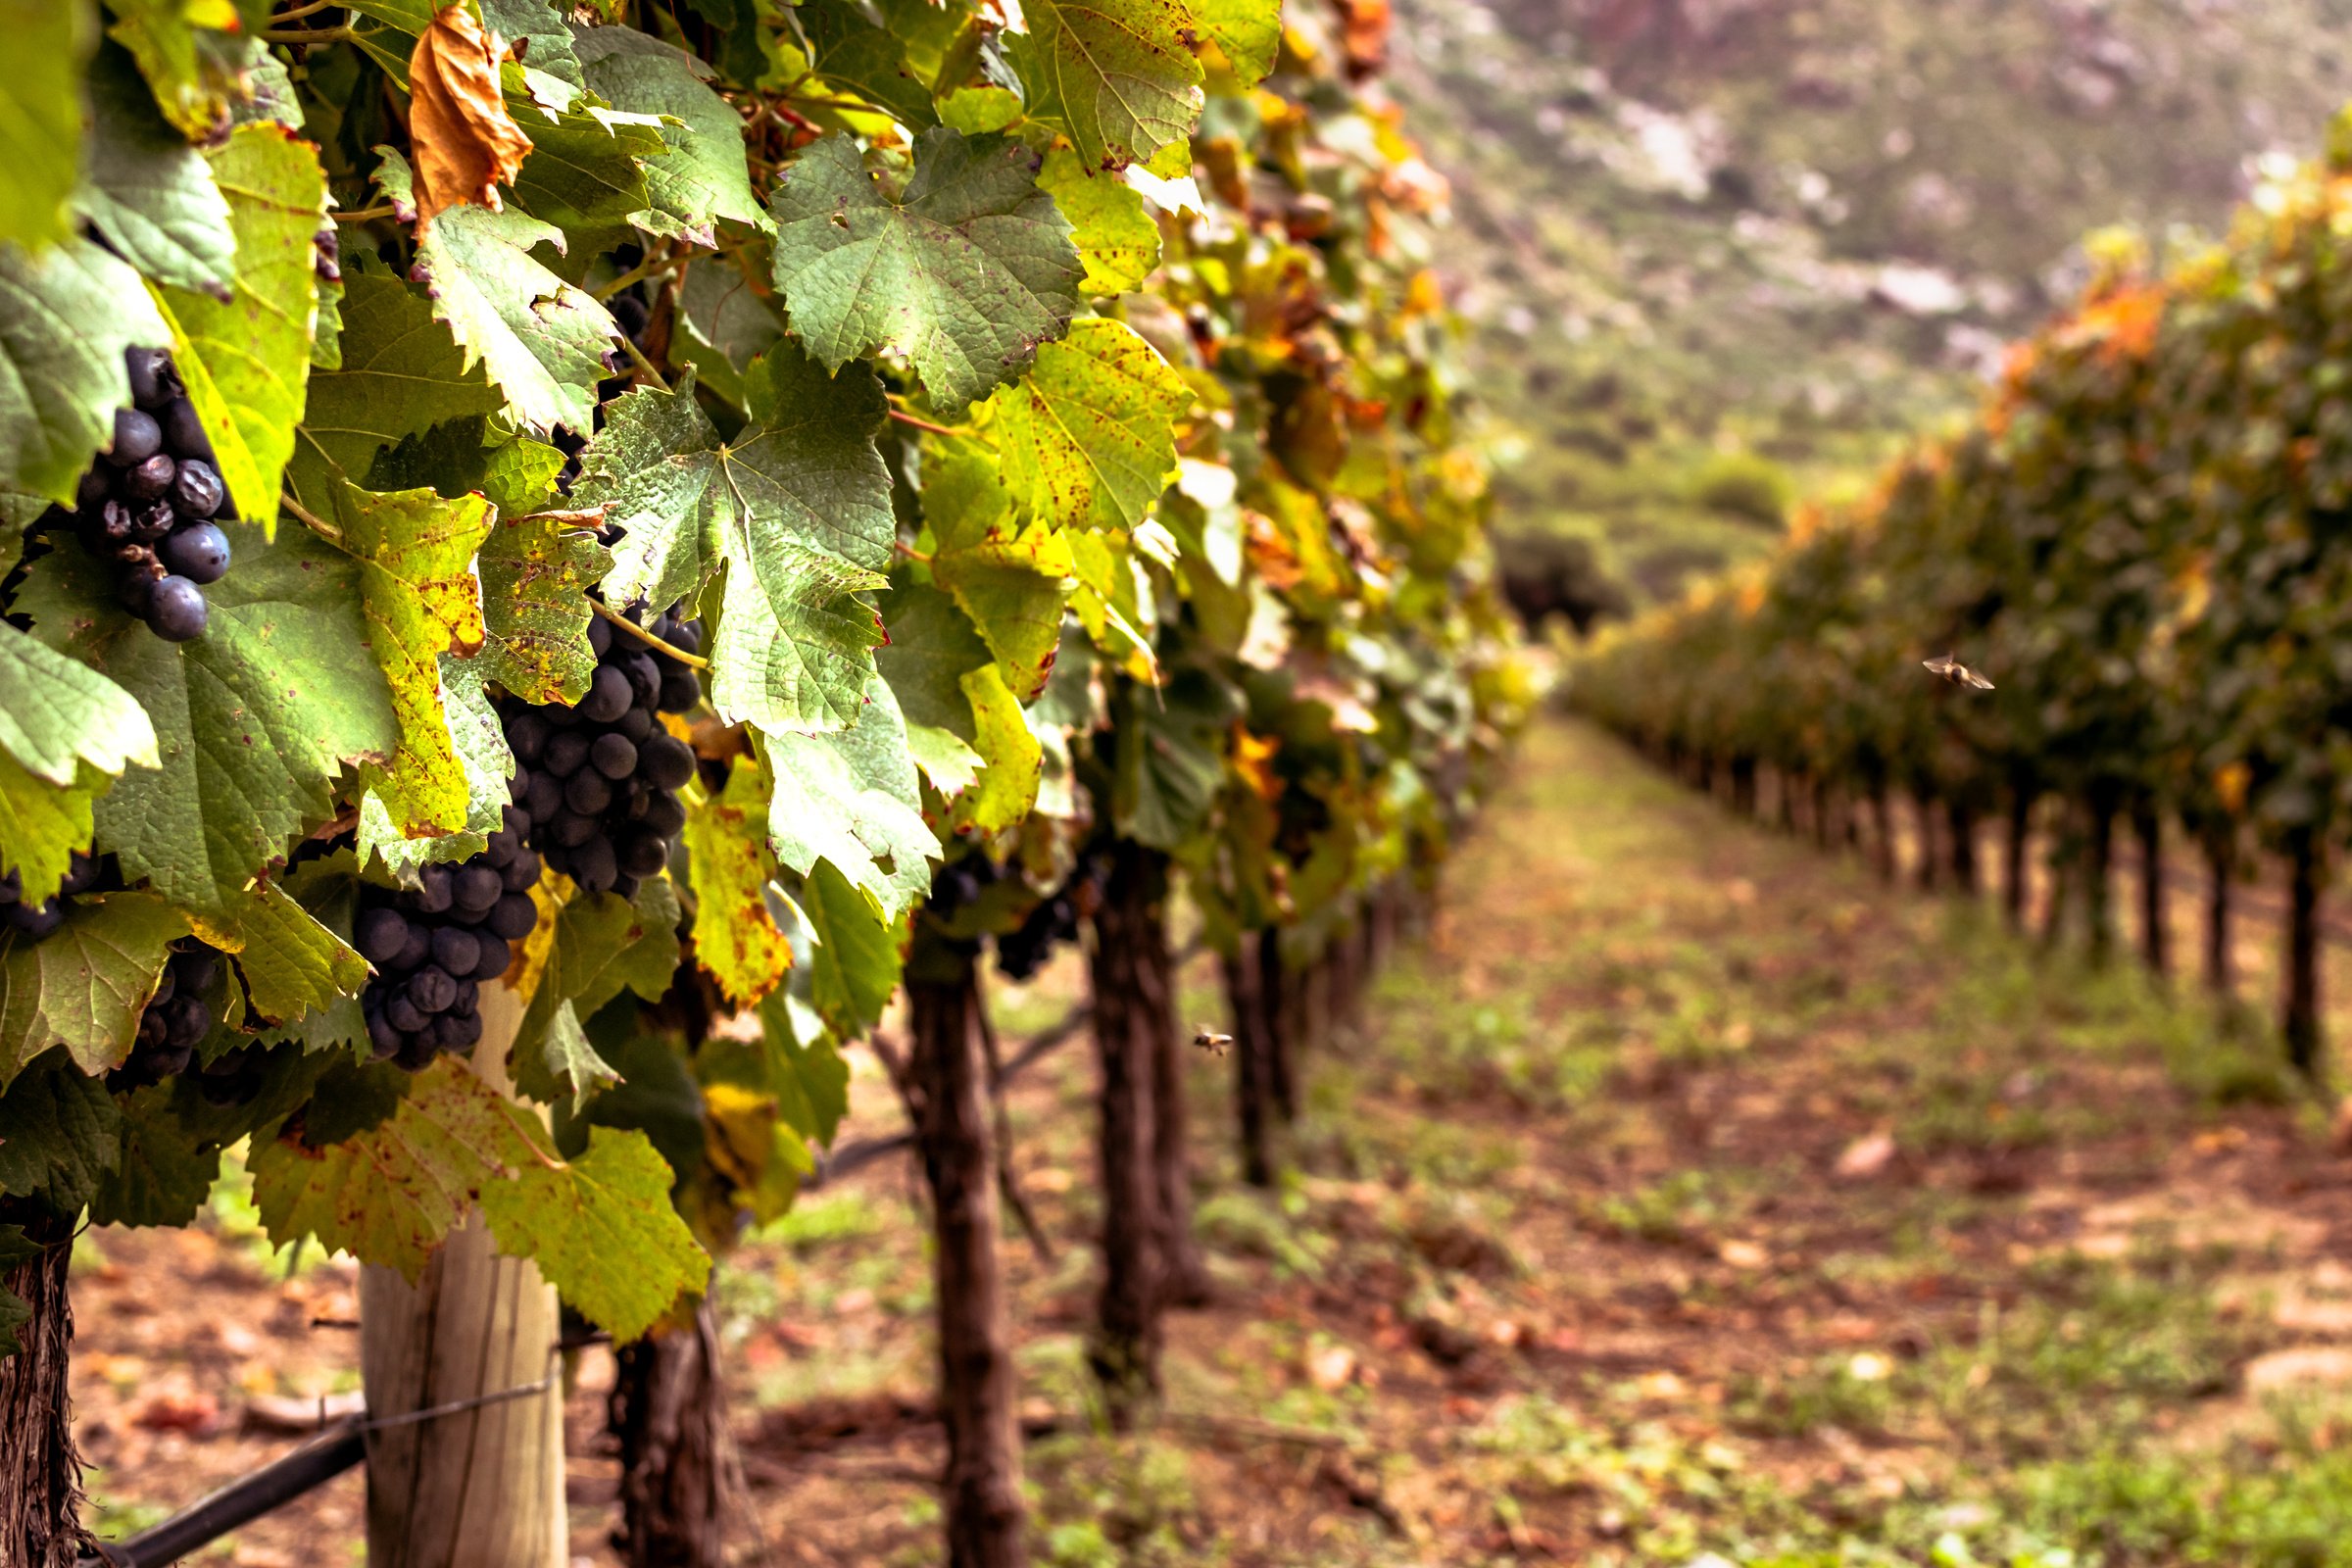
1723	251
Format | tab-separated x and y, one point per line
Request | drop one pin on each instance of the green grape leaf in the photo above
536	570
192	56
932	642
163	1170
56	712
798	509
848	50
601	1227
965	272
854	950
59	1132
401	375
538	30
1116	76
1088	439
585	174
41	824
809	1080
851	798
40	119
725	323
84	985
541	340
1248	32
415	561
1170	758
292	964
1007	784
246	361
66	317
603	943
976	110
602	1230
1012	582
1116	238
703	178
146	191
567	1062
253	720
944	758
730	867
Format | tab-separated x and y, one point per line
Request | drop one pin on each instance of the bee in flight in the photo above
1956	672
1211	1041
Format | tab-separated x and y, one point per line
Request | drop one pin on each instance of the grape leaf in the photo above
415	558
162	1171
932	642
729	867
537	32
541	339
1116	238
66	317
965	272
462	137
809	1080
536	570
84	985
585	174
55	713
246	363
41	824
601	1227
146	191
944	758
609	1208
798	509
1170	757
851	798
1012	582
1088	439
854	950
1117	77
703	178
292	964
253	720
40	119
1248	32
849	50
1007	785
603	943
402	375
60	1133
192	56
725	324
565	1061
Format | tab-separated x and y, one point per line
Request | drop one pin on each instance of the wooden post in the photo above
481	1487
947	1086
1130	1002
41	1472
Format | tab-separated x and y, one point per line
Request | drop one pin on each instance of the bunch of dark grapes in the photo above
84	874
598	779
178	1017
433	945
148	505
1023	950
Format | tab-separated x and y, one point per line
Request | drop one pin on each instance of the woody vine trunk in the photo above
1130	1007
40	1471
668	1410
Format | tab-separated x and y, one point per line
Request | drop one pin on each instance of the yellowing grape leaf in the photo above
84	985
731	866
1088	437
1116	238
40	119
1013	582
1117	77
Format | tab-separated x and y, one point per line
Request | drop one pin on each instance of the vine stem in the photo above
692	660
649	267
645	366
305	34
367	215
311	9
903	417
316	523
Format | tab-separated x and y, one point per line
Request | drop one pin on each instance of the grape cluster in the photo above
433	945
598	780
1023	950
148	505
84	874
178	1017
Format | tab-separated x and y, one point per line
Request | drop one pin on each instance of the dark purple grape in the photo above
614	755
380	934
433	888
600	636
664	815
416	950
461	1032
496	955
680	691
95	489
644	853
431	989
521	873
526	736
403	1014
644	677
153	380
634	727
383	1036
665	763
197	491
565	752
199	553
137	437
594	867
150	480
607	698
456	950
545	798
573	828
184	431
588	792
513	917
175	610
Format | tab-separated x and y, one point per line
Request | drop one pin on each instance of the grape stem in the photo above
690	660
367	215
645	366
903	417
644	269
308	36
316	523
297	13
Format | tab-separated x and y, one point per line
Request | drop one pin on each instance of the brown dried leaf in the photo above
466	142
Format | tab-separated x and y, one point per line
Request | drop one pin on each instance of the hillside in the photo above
1721	254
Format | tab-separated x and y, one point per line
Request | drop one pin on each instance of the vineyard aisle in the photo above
1691	1194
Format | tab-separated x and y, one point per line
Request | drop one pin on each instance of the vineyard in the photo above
566	568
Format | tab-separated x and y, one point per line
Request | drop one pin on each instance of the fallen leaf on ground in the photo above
1743	1254
1331	1368
196	1414
1866	1156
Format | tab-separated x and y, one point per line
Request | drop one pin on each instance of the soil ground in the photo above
1687	1196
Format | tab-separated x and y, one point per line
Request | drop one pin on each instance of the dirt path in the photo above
1691	1195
